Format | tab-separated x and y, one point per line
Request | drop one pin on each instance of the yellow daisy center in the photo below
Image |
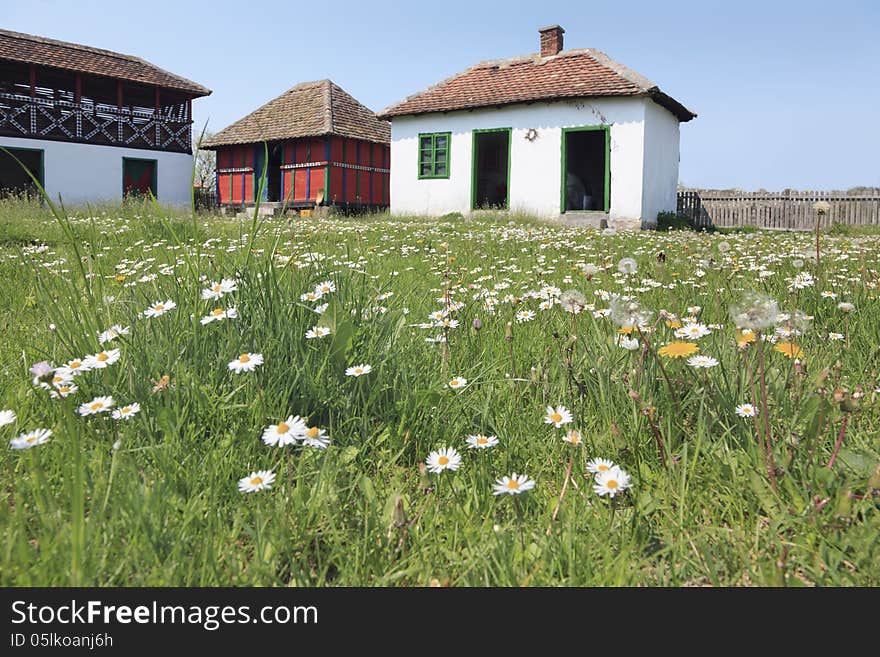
31	439
64	389
602	468
443	460
256	481
358	370
217	288
482	440
57	379
74	364
313	432
244	358
96	405
126	410
159	306
513	484
217	312
102	357
282	427
612	484
556	417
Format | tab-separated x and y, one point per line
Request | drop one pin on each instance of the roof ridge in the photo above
72	46
328	119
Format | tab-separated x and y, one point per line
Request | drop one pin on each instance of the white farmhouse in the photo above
565	134
92	125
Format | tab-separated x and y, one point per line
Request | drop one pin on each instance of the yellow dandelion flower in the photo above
744	339
673	323
626	330
678	349
789	349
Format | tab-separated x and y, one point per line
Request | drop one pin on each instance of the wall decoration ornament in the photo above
531	134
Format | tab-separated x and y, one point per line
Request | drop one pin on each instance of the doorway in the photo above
490	185
273	174
13	178
586	171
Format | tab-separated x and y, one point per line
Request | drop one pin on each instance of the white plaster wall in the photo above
86	173
536	166
661	162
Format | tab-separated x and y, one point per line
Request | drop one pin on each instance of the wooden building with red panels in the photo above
317	146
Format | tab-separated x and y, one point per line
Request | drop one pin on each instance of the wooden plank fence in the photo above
787	210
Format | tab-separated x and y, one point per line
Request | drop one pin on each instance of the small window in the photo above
434	155
138	177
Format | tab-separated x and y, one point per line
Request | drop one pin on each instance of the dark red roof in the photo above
310	109
30	49
582	73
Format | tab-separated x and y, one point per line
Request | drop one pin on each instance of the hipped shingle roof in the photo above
30	49
577	73
309	109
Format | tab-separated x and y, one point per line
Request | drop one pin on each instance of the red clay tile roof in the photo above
30	49
309	109
581	73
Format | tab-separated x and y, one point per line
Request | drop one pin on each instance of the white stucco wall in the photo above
85	173
536	166
661	162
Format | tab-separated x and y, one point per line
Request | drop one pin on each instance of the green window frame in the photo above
434	148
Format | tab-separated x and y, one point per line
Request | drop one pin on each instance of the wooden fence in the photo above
788	210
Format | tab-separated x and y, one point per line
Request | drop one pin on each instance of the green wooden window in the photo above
434	155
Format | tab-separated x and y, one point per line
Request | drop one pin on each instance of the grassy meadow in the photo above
738	458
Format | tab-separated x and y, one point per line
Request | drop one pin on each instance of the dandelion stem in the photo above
564	486
765	415
647	342
839	442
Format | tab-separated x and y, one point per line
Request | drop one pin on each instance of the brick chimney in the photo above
551	40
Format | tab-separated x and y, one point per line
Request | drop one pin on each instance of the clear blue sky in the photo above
788	93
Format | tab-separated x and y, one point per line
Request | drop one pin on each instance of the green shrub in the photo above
674	221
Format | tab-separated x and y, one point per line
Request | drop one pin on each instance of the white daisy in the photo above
160	308
358	370
628	343
321	308
702	361
218	288
286	432
558	416
317	332
457	383
325	287
259	480
513	485
746	410
611	482
62	390
245	363
31	439
445	458
102	359
599	465
72	368
97	405
315	437
310	296
574	437
7	417
835	336
126	412
113	332
479	441
219	314
692	331
525	316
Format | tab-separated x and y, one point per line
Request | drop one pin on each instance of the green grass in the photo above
164	509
